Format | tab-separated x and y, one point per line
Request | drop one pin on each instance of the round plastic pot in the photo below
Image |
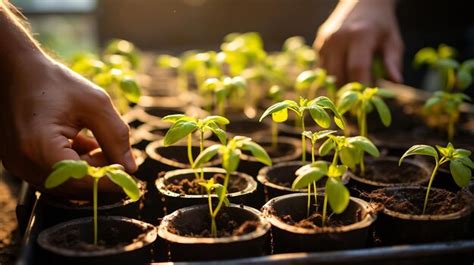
400	228
272	177
174	201
136	236
193	219
288	238
359	183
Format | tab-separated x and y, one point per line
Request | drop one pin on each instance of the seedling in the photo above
440	60
460	163
300	54
223	89
123	48
185	126
347	150
317	108
310	81
241	51
361	100
230	154
66	169
177	64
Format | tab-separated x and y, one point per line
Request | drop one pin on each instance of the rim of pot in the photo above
466	210
160	183
281	139
262	176
151	152
122	202
149	238
138	113
262	229
140	156
412	162
370	217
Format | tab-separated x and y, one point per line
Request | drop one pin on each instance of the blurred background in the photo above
68	26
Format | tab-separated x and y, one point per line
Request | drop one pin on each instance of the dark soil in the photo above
281	150
192	187
410	201
226	227
314	221
389	172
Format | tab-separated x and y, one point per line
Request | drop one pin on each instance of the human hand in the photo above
353	34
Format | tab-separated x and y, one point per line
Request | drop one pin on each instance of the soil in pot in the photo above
446	218
120	240
180	188
242	125
385	172
294	231
242	233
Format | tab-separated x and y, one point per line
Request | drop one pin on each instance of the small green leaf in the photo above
365	144
277	107
326	147
64	170
461	174
347	101
258	152
280	116
432	101
338	195
466	161
305	79
178	131
464	78
426	56
310	174
221	194
216	119
206	155
130	88
420	149
336	171
383	110
320	116
126	182
173	117
231	159
217	131
348	157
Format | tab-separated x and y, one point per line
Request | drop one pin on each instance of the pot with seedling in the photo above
97	240
416	214
302	223
277	179
218	230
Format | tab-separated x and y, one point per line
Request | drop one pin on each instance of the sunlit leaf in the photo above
338	195
126	182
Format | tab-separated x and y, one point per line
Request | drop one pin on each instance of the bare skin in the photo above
354	33
43	108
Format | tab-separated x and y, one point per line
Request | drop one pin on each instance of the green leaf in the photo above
258	152
464	78
305	79
216	119
231	159
126	182
347	101
434	100
221	194
426	56
338	195
280	116
348	157
277	107
420	149
461	174
206	155
326	147
130	89
310	173
365	144
217	131
336	171
178	131
462	153
465	161
383	110
65	169
173	117
320	116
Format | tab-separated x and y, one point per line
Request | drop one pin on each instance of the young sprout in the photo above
347	150
300	54
317	108
460	165
223	89
309	82
185	126
276	94
440	60
171	62
123	48
221	193
230	154
241	51
314	137
78	169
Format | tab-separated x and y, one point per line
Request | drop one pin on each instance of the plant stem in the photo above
315	195
303	140
213	218
94	199
308	204
201	148
325	206
190	154
274	135
429	186
219	205
363	132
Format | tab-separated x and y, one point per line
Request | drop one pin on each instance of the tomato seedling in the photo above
78	169
223	89
317	108
460	163
230	154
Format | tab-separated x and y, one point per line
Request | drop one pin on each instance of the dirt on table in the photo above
9	238
410	201
191	186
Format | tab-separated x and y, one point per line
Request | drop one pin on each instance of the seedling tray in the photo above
31	215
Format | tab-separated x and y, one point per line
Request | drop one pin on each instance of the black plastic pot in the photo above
387	165
174	201
272	178
289	150
288	238
174	157
194	220
136	241
61	210
400	228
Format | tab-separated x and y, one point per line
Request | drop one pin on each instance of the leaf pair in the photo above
217	188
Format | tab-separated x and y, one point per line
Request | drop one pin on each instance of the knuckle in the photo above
122	131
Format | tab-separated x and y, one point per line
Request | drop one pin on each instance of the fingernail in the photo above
129	160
